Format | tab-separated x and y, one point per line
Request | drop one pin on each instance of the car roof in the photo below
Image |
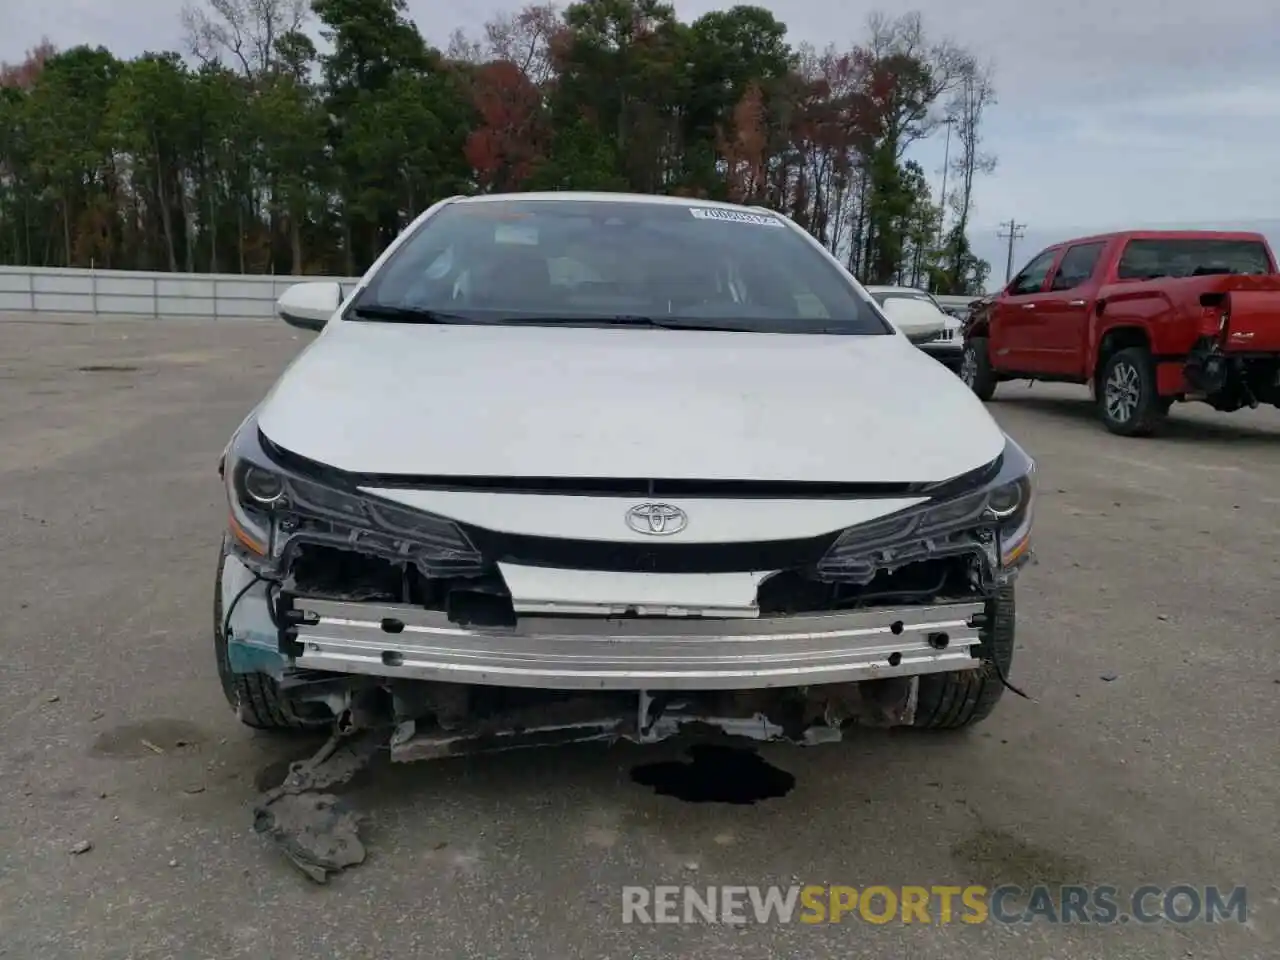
1246	235
585	196
874	288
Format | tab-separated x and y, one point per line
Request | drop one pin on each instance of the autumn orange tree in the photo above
258	148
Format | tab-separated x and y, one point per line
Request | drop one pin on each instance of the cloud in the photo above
1251	101
1108	115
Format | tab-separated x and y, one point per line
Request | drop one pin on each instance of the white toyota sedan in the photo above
585	466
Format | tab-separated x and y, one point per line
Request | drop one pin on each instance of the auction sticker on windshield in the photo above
735	216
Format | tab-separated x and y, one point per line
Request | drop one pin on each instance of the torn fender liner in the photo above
315	830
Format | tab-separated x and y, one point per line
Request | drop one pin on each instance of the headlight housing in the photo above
277	508
993	519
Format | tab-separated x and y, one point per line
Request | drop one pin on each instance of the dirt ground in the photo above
1148	639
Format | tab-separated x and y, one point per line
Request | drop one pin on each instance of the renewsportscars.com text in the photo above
1006	904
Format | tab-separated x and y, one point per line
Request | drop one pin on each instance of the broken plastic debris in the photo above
316	833
315	830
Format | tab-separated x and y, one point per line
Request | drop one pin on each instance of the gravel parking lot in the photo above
1148	639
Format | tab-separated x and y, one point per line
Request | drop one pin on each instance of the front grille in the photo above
532	551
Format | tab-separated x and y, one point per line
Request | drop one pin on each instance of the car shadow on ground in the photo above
1182	426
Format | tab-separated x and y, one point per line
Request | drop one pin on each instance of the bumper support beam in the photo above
399	641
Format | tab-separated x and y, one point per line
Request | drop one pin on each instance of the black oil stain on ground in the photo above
107	368
716	774
148	738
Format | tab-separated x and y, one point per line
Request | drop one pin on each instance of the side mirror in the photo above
310	305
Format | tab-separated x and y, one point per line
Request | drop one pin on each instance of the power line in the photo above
1015	233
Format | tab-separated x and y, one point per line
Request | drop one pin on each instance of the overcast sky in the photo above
1110	115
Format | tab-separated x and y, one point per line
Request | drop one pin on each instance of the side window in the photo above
1077	266
1031	279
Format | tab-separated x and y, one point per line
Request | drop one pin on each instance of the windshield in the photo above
1193	257
606	262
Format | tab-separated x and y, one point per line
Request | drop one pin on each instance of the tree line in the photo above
254	151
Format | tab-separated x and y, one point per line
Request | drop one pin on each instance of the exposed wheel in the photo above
1127	398
949	701
975	368
255	697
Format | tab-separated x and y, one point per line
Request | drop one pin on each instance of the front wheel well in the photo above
1120	338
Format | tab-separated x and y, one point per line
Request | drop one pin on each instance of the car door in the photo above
1011	321
1062	312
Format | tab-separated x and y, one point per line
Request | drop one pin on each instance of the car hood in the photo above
466	400
913	317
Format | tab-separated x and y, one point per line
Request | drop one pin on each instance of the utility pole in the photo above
1015	233
946	162
942	196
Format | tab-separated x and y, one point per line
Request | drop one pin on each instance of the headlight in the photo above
262	487
275	509
995	518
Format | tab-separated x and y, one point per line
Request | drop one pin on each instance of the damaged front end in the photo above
382	615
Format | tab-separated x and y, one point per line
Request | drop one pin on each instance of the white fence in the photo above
129	293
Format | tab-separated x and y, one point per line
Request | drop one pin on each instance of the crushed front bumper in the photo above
404	642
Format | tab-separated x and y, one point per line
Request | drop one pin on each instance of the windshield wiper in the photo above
397	314
665	323
390	314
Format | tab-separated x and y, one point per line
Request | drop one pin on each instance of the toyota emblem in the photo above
657	519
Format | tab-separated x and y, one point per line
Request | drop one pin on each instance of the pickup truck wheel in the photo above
1127	397
975	368
950	701
255	697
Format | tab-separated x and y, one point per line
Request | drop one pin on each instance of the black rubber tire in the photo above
983	380
255	697
1151	408
950	701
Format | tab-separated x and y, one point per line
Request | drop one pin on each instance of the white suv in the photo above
937	331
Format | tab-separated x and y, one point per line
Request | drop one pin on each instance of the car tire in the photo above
255	697
1128	401
951	701
975	368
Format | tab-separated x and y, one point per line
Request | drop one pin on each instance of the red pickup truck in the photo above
1144	317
